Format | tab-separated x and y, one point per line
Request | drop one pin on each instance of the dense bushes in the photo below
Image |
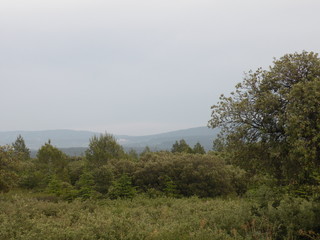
163	173
9	167
26	218
192	174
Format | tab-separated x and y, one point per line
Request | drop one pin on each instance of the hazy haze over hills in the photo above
80	139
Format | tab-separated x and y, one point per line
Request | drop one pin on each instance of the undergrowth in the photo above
26	216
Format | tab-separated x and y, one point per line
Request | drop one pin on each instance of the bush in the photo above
191	174
29	216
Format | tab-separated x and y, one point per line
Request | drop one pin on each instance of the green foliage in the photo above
9	166
133	155
62	189
146	150
193	174
271	121
122	188
75	168
85	185
20	147
54	186
122	166
53	161
170	188
198	149
102	149
103	178
28	217
181	147
31	177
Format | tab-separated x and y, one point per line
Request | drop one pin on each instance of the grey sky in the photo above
137	67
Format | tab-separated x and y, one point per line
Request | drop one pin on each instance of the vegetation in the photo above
20	147
9	166
271	122
35	216
262	181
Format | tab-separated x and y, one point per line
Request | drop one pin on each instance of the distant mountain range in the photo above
75	142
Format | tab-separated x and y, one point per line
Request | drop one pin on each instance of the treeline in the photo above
107	171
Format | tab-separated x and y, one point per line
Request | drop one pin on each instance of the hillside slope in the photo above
71	139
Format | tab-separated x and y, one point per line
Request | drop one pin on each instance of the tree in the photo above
145	151
53	161
122	188
271	121
198	148
86	185
170	188
102	149
20	147
180	147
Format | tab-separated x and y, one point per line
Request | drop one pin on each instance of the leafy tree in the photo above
198	148
271	121
20	147
102	149
53	161
180	147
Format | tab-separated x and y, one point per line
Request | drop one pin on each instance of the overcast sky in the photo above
137	67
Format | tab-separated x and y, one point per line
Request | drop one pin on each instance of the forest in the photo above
261	180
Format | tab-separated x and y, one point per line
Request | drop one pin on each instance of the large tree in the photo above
272	120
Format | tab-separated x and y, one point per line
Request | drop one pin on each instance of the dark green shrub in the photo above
103	177
170	188
122	188
192	174
85	186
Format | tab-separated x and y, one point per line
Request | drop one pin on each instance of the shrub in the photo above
192	174
122	188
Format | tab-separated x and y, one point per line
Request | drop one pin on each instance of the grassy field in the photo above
29	217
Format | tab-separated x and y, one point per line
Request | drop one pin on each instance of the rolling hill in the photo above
75	142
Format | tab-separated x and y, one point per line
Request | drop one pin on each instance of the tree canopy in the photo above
20	147
272	120
102	149
180	147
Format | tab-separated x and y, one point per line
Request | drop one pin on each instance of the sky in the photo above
138	67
